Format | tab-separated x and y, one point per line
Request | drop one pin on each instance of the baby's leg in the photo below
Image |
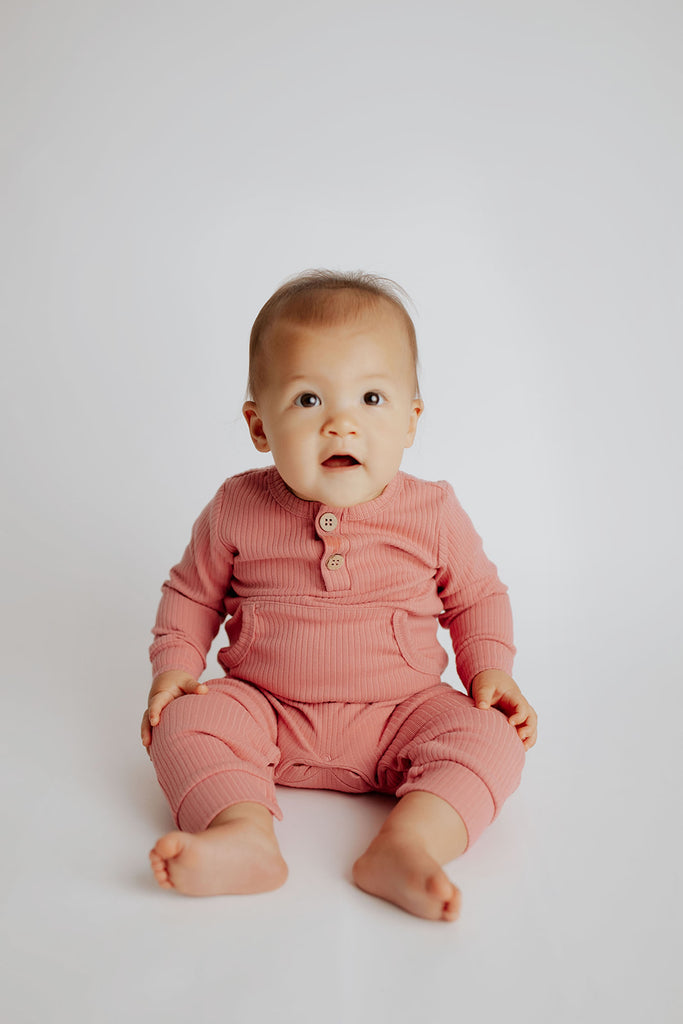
237	853
403	864
453	766
214	755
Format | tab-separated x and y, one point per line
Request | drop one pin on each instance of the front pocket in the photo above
331	652
416	640
241	630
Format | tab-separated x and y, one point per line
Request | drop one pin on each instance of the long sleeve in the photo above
477	610
192	606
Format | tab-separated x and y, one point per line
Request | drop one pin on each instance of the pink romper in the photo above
333	669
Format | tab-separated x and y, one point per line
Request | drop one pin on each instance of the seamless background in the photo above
517	168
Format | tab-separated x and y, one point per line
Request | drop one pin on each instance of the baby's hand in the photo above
495	689
165	688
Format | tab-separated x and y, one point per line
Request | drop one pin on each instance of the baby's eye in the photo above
373	398
307	401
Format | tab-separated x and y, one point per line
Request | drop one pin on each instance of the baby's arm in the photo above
165	688
192	605
189	615
495	689
477	613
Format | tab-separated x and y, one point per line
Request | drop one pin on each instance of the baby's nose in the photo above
340	424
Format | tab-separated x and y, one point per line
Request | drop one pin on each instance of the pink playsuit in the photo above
333	671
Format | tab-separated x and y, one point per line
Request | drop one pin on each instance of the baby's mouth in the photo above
340	462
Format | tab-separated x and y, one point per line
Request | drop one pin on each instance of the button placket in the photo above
333	565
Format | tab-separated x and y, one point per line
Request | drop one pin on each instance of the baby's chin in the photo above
339	493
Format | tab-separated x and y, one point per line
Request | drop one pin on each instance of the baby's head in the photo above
321	298
333	390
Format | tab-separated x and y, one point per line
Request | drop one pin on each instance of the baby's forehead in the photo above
380	316
316	327
368	345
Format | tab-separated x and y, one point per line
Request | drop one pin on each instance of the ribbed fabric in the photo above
235	743
342	614
333	666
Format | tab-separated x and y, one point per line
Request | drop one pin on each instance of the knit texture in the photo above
237	743
334	604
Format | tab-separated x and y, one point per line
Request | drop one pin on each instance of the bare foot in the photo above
400	870
237	856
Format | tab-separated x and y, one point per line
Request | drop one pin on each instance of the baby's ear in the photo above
415	413
255	424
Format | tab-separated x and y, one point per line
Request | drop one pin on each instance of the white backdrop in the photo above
517	168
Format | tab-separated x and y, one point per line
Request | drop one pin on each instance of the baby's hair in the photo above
324	297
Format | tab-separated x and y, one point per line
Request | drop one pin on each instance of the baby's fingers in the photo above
197	688
526	725
528	737
156	705
146	731
158	701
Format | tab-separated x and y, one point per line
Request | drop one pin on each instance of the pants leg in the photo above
213	750
439	742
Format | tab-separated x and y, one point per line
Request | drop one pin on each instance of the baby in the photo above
334	569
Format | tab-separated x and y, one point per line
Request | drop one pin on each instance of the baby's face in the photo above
337	406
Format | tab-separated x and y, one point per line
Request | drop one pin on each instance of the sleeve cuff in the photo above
177	659
480	655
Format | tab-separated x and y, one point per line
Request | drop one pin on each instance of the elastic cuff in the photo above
176	659
480	655
459	787
218	792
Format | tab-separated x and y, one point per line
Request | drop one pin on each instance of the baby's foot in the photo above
237	857
401	871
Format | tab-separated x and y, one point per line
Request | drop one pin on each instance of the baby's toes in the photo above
442	890
160	869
